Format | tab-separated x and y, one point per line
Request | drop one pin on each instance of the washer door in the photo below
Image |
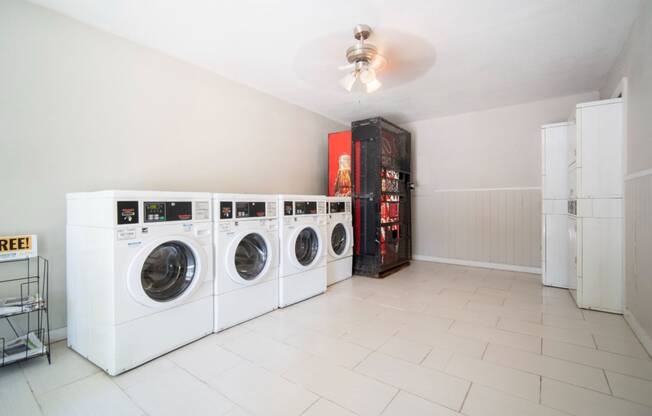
168	271
340	240
305	246
249	257
165	272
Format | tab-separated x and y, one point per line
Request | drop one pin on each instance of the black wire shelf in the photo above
24	312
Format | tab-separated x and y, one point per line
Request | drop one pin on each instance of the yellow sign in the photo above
17	247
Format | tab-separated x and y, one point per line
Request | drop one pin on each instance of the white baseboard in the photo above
473	263
642	335
58	334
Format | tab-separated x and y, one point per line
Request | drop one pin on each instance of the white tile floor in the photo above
432	339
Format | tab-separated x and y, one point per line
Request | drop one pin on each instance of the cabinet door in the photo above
555	162
556	251
571	183
571	260
600	151
602	264
571	143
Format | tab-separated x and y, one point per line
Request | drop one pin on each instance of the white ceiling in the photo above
445	56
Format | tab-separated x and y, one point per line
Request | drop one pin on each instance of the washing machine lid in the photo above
251	256
168	271
306	246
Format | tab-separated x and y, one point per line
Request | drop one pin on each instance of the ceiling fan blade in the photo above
347	81
378	62
346	67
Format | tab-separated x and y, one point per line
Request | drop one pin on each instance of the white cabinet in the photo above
571	260
595	182
572	182
554	179
602	263
554	138
571	147
556	250
600	149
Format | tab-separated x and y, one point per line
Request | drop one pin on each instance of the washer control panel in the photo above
167	211
249	209
336	207
305	207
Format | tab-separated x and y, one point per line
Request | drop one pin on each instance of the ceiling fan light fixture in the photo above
364	59
367	75
373	85
348	80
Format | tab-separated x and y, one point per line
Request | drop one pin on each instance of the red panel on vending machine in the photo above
339	163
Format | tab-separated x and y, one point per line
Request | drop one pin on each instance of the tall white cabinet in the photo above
595	206
554	165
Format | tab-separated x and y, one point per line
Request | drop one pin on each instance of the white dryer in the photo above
139	274
302	230
246	257
340	239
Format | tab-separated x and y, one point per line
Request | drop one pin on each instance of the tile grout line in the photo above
608	384
465	397
540	388
131	399
100	371
486	347
215	389
414	393
595	342
311	404
425	357
390	402
31	389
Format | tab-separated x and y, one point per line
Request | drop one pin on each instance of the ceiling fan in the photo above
364	61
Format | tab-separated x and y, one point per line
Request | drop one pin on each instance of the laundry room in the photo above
339	208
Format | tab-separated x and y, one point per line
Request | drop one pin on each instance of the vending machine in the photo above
339	163
372	164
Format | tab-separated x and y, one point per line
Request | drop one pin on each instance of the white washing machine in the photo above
246	257
340	239
139	274
302	230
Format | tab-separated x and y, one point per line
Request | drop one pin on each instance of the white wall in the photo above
84	110
478	178
635	63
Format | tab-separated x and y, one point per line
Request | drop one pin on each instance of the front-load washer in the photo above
302	231
139	274
246	257
339	239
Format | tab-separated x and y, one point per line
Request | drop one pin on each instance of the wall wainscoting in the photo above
496	228
58	334
638	262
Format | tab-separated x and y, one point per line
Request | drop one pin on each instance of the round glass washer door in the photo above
251	256
306	246
339	239
168	271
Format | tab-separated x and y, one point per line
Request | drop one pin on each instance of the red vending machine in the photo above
339	163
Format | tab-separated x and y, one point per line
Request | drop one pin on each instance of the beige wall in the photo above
635	63
84	110
478	178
